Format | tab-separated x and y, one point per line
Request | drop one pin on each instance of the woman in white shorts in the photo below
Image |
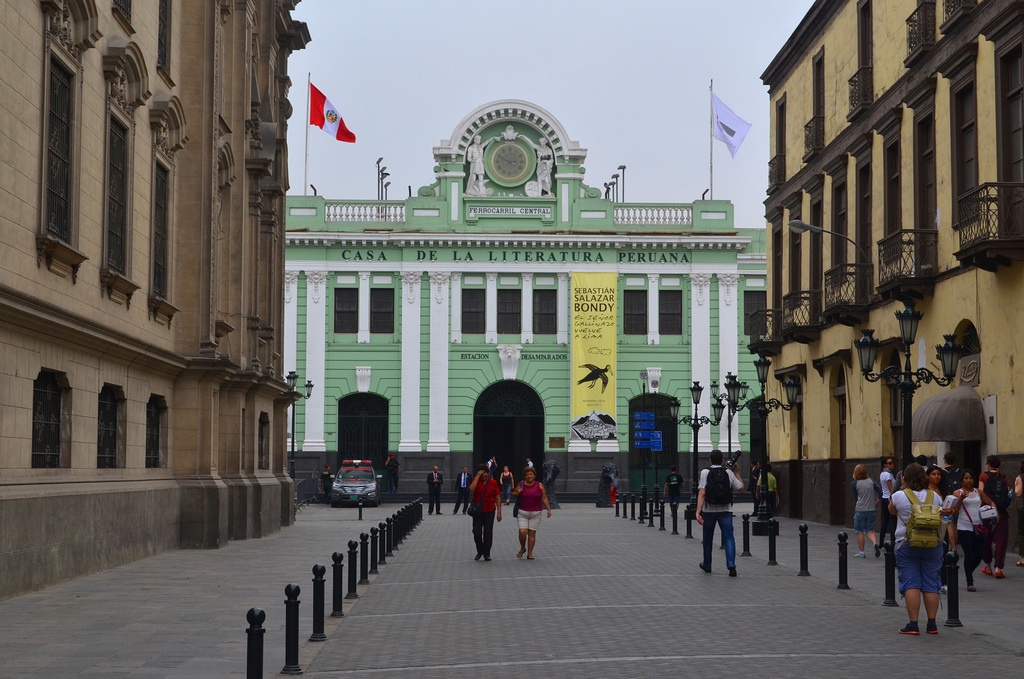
533	499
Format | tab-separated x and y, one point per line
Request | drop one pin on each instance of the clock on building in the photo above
510	163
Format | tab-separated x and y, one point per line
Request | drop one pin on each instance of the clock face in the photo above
509	164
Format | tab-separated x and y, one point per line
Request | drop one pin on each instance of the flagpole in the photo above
305	176
711	140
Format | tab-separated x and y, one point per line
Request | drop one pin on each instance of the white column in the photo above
438	403
700	341
527	308
410	398
291	322
653	315
316	342
562	320
364	308
456	296
491	311
728	339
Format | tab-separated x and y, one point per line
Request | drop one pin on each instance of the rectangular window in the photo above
634	312
154	427
125	8
924	139
46	419
346	310
893	191
163	36
382	310
776	265
816	256
863	210
58	153
795	259
262	459
545	312
839	221
474	308
510	312
670	312
753	301
965	141
865	46
1012	84
106	425
160	197
117	196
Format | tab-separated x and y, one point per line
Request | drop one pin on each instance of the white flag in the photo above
729	127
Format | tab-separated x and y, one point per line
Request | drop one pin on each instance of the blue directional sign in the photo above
647	439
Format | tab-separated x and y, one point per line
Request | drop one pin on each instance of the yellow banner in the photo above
594	334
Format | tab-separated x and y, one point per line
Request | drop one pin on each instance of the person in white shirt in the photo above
887	480
714	507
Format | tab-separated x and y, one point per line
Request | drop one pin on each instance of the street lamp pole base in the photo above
690	514
762	526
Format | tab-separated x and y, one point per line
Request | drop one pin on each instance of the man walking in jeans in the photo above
714	506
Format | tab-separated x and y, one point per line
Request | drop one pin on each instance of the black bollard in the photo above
318	604
625	503
254	643
650	513
352	546
952	591
291	630
643	504
338	585
616	506
399	527
632	506
360	509
364	558
391	536
843	579
890	575
382	560
772	532
691	516
746	536
675	519
661	515
373	550
803	550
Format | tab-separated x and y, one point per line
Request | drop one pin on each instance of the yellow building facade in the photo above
897	136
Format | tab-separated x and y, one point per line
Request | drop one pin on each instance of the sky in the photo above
629	81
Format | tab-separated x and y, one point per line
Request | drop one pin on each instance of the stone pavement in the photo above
604	597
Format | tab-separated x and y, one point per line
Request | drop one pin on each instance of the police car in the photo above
356	480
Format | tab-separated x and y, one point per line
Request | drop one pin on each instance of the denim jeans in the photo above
724	520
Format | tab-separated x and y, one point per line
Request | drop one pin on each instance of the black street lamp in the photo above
695	423
293	378
908	381
615	187
765	406
735	391
622	168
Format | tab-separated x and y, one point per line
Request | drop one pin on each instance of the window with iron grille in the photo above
125	8
545	312
382	310
474	308
634	312
163	35
346	310
58	153
106	429
154	428
510	312
46	420
117	195
753	301
670	312
160	196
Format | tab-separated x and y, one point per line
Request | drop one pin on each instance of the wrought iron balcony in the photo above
907	263
862	92
764	331
848	291
776	172
955	11
814	136
920	31
991	225
801	316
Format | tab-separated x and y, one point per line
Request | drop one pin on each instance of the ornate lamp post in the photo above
735	391
908	381
765	406
695	423
292	378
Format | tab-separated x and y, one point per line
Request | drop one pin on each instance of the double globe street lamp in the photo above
762	406
292	379
696	422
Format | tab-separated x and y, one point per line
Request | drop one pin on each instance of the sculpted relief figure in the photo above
510	133
476	186
545	164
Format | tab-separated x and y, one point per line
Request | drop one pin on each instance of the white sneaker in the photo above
860	555
942	590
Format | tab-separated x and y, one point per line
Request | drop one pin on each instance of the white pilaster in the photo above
316	342
364	308
653	315
410	398
437	440
527	308
562	321
291	316
728	337
491	311
456	297
700	333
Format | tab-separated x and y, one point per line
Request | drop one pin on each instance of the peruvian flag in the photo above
324	115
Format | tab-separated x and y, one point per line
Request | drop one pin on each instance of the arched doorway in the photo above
508	423
363	429
645	465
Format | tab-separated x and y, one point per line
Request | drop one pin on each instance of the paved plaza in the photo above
604	597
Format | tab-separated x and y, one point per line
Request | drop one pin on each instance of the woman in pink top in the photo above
532	500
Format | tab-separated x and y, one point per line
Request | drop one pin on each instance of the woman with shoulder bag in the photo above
532	498
969	528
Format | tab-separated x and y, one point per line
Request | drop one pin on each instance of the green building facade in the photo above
441	327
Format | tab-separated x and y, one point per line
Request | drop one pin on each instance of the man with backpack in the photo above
714	507
952	473
997	488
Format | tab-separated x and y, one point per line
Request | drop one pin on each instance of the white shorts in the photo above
529	520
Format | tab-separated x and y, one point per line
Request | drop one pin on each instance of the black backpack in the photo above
718	488
953	478
997	490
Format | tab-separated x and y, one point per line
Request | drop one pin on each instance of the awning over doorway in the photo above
954	415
